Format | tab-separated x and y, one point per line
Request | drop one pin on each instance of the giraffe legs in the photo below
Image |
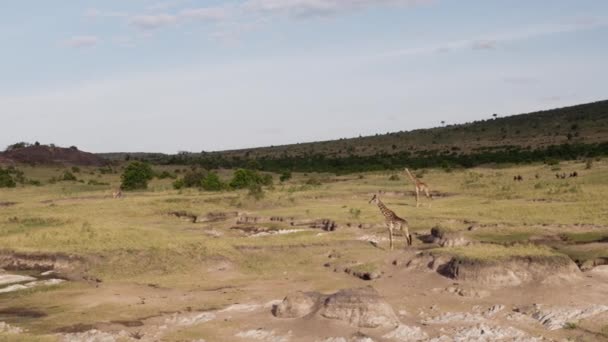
417	196
390	235
406	232
428	195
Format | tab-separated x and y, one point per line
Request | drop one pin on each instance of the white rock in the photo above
263	335
14	278
407	334
9	329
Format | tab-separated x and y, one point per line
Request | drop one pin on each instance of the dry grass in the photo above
132	242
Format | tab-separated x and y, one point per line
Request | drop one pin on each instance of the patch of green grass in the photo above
503	238
585	237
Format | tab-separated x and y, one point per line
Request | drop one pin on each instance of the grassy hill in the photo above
563	133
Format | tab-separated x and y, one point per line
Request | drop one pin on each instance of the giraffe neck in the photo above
385	211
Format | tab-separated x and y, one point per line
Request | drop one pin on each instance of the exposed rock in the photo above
464	291
298	304
362	273
512	271
39	261
263	335
487	333
218	216
588	265
455	317
14	278
446	238
407	333
556	317
362	307
18	287
184	214
6	328
96	336
189	319
324	224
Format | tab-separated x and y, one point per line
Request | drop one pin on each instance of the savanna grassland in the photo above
132	266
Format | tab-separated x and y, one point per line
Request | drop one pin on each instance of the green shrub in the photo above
193	179
68	177
244	178
178	184
75	169
136	176
6	181
393	178
212	182
588	164
285	176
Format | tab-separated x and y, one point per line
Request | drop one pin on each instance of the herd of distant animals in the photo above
562	175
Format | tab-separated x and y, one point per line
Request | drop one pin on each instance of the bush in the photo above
6	181
75	169
193	179
68	177
588	164
212	182
393	178
244	178
136	176
178	184
285	176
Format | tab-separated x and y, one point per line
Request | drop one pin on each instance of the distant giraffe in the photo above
392	221
117	193
419	187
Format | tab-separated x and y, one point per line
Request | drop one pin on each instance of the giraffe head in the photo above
374	199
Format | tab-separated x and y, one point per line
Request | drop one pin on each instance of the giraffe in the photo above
392	221
420	186
117	193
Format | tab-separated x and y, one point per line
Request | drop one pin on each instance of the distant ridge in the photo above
50	155
579	124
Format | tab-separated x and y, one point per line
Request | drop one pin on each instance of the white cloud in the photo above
153	21
96	13
315	8
484	44
82	41
205	13
490	41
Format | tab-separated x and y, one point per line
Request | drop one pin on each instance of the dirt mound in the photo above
361	307
557	317
68	266
508	271
44	155
323	224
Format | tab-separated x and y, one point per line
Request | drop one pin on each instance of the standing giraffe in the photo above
117	193
420	186
392	221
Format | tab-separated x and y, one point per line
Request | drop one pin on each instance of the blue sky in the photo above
153	75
